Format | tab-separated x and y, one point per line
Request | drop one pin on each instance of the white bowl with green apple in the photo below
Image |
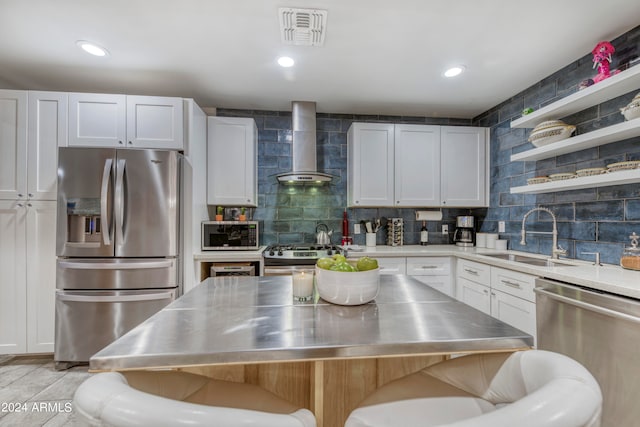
347	282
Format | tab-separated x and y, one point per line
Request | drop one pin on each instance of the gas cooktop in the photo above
300	251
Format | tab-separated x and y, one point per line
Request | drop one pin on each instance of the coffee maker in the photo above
465	234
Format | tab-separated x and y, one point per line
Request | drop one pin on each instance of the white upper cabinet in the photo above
464	174
155	122
405	165
417	165
97	120
47	130
13	144
105	120
232	144
370	164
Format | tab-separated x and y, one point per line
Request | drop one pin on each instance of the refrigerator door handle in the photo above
104	193
114	266
61	296
120	201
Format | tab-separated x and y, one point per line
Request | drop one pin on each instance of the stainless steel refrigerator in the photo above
117	242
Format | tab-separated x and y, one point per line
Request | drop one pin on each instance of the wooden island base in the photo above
331	389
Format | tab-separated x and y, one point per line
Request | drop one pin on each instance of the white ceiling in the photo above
379	56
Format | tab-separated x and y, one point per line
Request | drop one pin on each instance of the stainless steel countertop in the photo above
254	319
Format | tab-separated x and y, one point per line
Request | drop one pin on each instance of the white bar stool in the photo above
169	398
532	388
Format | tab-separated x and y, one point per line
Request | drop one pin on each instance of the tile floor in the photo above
43	395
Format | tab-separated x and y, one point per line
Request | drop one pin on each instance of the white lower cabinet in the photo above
27	292
504	294
434	271
474	294
392	265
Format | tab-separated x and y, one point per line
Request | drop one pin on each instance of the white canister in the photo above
481	240
491	240
501	244
370	239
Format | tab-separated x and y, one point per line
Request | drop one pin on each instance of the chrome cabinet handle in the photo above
474	272
425	267
512	284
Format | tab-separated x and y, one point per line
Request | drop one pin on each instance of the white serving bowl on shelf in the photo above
347	288
632	110
550	131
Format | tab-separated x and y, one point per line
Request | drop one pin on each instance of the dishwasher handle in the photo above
587	306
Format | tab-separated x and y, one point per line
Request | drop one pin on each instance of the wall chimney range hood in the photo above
303	147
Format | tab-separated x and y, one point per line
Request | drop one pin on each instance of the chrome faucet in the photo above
556	250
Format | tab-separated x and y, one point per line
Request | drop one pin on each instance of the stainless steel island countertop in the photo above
254	319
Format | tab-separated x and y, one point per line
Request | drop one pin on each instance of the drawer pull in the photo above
425	267
512	284
474	272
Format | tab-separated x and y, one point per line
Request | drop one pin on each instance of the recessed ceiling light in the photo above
285	61
92	48
454	71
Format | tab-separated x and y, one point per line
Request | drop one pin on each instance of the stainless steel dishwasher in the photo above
601	331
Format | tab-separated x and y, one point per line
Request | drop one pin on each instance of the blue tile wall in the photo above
290	214
590	220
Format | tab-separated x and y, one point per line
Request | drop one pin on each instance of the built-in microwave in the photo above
230	235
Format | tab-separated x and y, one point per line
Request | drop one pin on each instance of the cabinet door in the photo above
417	165
13	277
47	131
97	120
439	283
370	164
232	161
155	122
13	144
514	311
464	166
40	276
473	294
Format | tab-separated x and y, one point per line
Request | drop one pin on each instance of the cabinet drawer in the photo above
392	265
429	266
513	283
474	271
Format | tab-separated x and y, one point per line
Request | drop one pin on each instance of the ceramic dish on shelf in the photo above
632	110
550	131
538	180
590	171
561	176
620	166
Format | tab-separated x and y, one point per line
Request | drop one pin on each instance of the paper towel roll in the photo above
428	215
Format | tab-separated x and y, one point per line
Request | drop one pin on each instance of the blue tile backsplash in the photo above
589	220
290	214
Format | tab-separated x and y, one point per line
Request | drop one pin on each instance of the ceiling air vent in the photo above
303	27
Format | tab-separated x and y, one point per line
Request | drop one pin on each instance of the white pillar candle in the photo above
302	285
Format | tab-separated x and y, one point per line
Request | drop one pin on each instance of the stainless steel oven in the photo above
281	260
232	269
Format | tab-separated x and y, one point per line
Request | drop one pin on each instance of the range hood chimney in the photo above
303	156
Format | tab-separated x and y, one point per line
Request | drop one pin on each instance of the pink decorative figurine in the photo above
602	59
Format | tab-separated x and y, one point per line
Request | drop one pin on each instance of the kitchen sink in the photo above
543	262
